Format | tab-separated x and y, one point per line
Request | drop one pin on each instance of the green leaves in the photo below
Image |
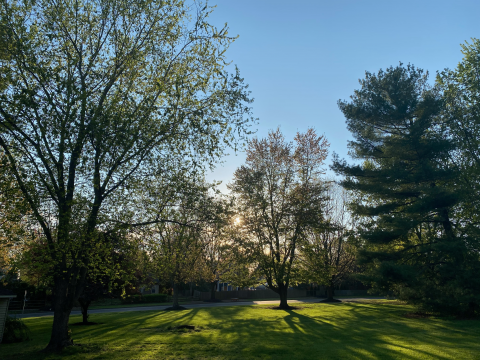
410	186
279	195
101	97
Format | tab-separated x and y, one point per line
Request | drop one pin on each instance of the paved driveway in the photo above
188	306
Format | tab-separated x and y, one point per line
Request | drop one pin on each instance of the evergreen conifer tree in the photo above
407	190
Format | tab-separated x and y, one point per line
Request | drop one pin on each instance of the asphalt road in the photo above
187	306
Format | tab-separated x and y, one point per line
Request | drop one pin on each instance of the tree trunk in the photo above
282	291
212	291
84	304
62	305
175	296
330	292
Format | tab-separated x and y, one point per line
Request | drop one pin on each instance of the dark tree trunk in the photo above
62	306
282	291
212	291
84	304
64	295
330	292
175	297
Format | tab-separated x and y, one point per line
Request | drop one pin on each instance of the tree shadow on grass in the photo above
351	331
362	333
342	331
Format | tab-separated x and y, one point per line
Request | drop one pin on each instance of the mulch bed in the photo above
188	327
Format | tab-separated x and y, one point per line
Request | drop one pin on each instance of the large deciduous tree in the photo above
461	88
96	98
408	192
279	194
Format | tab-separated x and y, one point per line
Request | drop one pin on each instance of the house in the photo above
5	296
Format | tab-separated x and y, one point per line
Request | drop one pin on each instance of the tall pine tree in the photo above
407	190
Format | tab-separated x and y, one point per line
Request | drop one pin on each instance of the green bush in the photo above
155	298
15	331
131	299
150	298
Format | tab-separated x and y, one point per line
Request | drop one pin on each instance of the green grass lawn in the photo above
369	330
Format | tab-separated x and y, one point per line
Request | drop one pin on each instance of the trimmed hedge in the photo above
150	298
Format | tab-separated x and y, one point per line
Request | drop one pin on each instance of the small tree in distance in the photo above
239	267
113	272
180	246
178	254
215	245
327	253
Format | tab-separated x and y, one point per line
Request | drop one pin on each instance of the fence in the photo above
248	294
206	295
351	292
29	305
268	294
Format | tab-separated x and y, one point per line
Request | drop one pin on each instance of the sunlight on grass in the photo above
340	331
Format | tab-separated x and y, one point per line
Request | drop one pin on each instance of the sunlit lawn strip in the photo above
342	331
118	305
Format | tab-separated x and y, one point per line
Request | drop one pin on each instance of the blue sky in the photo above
301	57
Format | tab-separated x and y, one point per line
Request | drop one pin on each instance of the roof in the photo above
5	293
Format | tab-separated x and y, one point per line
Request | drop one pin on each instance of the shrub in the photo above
131	299
150	298
155	298
15	331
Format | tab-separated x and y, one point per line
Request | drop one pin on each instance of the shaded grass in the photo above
120	306
332	331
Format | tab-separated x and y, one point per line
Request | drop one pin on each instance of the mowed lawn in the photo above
370	330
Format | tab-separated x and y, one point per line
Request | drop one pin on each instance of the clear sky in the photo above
300	57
